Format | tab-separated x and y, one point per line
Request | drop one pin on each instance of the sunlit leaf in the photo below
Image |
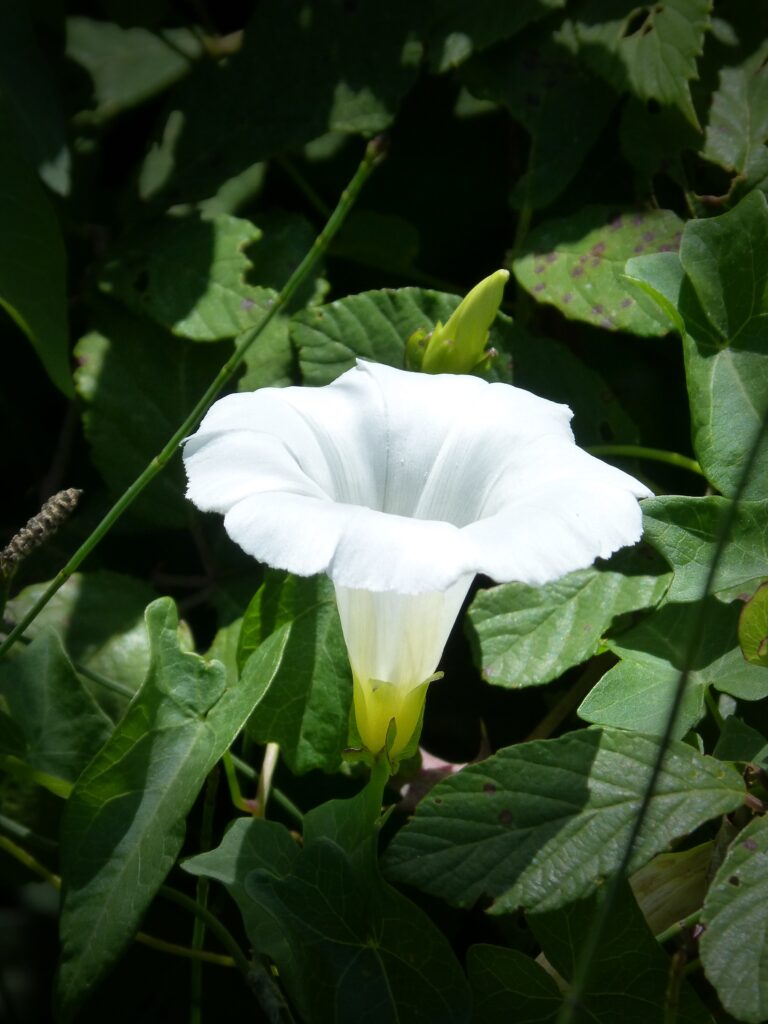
541	824
735	916
125	820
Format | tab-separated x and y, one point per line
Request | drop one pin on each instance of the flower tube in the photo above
401	487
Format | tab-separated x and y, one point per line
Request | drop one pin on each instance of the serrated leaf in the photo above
356	64
561	105
686	531
753	628
576	264
638	692
735	916
737	128
459	28
32	259
629	972
124	823
307	708
138	383
61	725
541	824
128	65
649	51
525	636
189	275
719	289
508	985
100	618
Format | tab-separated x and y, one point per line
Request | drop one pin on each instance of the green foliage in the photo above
32	259
735	901
503	828
526	636
577	265
125	821
306	709
165	169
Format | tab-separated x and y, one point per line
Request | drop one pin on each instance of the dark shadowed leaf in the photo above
508	985
61	725
138	383
560	104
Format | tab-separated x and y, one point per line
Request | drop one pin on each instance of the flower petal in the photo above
405	482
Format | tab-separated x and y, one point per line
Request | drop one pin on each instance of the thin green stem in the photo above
678	927
231	762
32	864
714	710
570	699
87	673
201	897
636	451
215	926
373	154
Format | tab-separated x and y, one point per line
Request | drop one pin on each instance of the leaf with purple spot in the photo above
577	265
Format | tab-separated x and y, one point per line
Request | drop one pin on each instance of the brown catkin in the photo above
38	529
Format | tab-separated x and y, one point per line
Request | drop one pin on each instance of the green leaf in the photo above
507	985
251	844
355	66
638	692
753	628
32	259
576	264
128	65
720	290
367	953
525	636
735	916
737	128
653	140
100	618
33	97
649	51
686	531
739	742
307	708
124	823
189	275
541	824
138	383
459	28
560	104
376	325
629	972
61	724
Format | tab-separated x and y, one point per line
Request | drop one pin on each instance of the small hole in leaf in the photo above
638	22
734	880
489	788
653	106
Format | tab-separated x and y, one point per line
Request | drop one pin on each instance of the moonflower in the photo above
401	487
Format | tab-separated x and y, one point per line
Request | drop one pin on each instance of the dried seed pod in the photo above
38	529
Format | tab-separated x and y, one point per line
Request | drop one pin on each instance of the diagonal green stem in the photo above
637	451
373	154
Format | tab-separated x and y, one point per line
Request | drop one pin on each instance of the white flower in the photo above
401	487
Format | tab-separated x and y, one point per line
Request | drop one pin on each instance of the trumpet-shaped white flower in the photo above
401	487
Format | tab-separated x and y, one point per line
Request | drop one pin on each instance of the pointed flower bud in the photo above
459	345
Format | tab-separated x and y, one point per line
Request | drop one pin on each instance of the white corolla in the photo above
401	487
